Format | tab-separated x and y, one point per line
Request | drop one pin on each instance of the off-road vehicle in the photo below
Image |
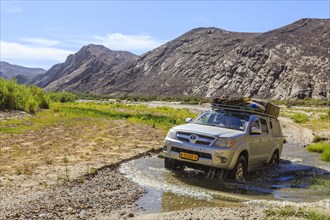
233	138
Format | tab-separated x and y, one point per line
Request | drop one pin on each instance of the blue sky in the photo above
43	33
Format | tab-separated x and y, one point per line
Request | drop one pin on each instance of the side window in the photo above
264	128
255	124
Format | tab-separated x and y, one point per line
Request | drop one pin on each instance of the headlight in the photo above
171	134
224	142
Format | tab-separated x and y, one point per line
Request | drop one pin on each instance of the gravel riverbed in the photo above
107	193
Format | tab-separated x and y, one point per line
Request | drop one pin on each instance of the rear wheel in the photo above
240	171
275	158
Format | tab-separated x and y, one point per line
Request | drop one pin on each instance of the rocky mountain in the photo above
83	70
289	62
22	74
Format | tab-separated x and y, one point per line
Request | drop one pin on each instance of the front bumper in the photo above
210	156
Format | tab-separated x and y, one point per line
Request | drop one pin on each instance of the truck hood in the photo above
208	130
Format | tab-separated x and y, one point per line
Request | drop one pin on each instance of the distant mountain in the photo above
289	62
22	74
83	70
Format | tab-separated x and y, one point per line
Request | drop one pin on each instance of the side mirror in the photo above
255	130
188	120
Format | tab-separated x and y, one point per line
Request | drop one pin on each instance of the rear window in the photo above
264	128
276	130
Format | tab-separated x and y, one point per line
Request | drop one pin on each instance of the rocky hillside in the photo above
84	70
22	74
289	62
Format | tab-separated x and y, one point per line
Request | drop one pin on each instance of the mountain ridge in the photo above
20	73
79	67
287	62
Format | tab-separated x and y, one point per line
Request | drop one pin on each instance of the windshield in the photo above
223	119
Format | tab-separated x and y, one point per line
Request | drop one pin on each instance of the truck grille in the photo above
200	154
200	139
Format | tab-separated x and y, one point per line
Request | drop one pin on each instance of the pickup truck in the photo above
227	138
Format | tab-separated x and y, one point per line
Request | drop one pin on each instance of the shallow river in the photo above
169	191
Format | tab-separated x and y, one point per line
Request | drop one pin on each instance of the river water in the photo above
170	191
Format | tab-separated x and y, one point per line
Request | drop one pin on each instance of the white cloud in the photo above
13	50
41	41
119	41
13	9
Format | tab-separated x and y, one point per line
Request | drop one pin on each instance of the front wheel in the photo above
172	165
168	164
240	170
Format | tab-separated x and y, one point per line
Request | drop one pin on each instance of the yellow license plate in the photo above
188	156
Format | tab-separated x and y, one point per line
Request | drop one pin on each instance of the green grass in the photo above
299	117
65	113
318	147
290	211
321	147
326	154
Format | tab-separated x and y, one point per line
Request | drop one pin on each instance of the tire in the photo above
168	164
172	165
240	170
275	158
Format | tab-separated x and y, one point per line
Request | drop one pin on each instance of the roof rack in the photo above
238	108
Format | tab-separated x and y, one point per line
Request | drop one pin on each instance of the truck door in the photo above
265	140
255	143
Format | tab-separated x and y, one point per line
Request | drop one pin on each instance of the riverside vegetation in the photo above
22	97
76	132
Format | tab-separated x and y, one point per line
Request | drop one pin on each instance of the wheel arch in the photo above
271	155
245	153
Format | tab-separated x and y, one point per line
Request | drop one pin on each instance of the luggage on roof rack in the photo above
270	108
247	105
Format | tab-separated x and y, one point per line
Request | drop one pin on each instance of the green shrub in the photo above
300	117
21	97
62	96
31	106
321	147
326	154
